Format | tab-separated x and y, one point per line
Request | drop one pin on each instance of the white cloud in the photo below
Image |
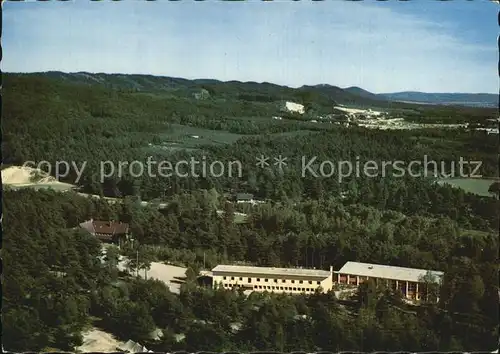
343	44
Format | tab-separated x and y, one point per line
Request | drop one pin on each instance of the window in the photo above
266	280
283	280
255	286
300	281
294	289
268	287
258	279
249	280
310	282
224	278
281	288
275	280
286	288
241	278
260	286
293	281
232	278
318	282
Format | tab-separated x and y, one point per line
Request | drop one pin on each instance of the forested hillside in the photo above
55	286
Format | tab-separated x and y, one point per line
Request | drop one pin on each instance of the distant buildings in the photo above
410	281
278	280
107	231
489	130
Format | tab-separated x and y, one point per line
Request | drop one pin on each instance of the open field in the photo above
187	138
183	137
478	186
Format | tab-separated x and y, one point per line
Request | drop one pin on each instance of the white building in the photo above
410	281
293	107
282	280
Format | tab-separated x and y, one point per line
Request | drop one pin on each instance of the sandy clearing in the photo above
22	177
159	271
96	340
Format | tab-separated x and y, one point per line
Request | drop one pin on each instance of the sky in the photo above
419	45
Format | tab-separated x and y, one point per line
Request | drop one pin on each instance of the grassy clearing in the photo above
474	233
183	137
240	218
478	186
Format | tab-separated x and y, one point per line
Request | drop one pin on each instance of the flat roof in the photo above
298	272
386	271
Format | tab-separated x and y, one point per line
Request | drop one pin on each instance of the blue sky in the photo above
419	45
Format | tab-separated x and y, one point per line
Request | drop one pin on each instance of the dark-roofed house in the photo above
107	231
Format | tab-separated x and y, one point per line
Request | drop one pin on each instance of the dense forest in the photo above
56	284
43	308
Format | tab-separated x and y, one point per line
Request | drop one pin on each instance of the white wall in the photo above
294	107
282	285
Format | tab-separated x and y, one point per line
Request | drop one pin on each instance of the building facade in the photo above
277	280
413	283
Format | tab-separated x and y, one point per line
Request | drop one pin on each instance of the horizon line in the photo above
246	82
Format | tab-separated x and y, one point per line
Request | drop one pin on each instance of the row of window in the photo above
282	288
249	280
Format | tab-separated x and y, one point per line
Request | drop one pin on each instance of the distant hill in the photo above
461	99
449	99
351	96
363	93
325	95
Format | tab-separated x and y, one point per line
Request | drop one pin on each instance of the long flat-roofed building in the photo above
411	282
282	280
